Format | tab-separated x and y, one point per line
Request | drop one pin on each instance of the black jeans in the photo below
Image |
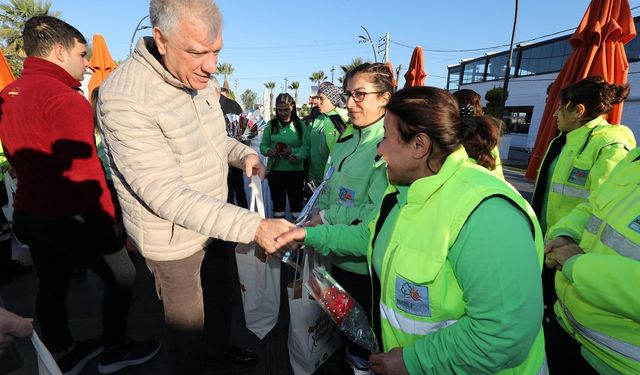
55	244
563	351
235	183
283	185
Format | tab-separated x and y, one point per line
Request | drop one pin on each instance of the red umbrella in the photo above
598	50
6	75
415	75
101	62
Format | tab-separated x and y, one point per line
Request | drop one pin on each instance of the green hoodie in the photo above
287	135
357	185
319	138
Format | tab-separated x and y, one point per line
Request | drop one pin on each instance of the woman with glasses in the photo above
358	180
457	250
285	173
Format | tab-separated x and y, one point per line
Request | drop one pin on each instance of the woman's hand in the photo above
272	153
391	363
559	255
293	235
316	219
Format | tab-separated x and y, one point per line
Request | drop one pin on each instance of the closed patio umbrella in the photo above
415	75
393	77
6	75
101	62
598	50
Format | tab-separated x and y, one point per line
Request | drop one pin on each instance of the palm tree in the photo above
270	86
249	98
13	16
347	68
317	77
295	85
226	70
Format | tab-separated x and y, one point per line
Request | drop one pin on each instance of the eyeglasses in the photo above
357	96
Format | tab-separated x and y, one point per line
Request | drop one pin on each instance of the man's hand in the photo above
267	232
390	362
12	326
294	235
253	166
559	255
558	242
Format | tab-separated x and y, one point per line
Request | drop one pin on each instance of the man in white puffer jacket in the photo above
169	155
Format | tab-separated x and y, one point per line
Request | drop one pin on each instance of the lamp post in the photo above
507	74
138	28
364	39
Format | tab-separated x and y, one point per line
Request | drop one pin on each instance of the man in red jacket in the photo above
63	209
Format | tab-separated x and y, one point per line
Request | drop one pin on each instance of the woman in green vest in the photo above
286	173
577	161
457	250
596	250
355	188
321	135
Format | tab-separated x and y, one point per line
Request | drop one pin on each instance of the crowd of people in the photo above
456	271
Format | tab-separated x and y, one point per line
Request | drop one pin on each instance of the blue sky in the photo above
271	40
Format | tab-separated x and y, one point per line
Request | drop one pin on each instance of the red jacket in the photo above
46	128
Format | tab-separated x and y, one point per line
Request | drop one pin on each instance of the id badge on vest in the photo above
578	176
635	225
347	197
411	298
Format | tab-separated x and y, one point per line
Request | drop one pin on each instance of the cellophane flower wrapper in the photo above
348	315
244	126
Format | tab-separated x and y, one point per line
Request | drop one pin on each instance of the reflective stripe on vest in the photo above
614	239
624	349
569	191
410	326
544	370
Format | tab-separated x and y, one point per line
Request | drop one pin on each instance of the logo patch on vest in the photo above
412	299
578	176
347	197
635	225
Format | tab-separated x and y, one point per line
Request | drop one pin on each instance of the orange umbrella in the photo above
415	75
101	62
598	50
6	75
393	78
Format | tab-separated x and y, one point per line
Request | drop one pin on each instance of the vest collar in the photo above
578	135
422	189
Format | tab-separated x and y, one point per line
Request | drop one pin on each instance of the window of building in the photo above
633	47
453	81
544	58
497	65
473	71
518	119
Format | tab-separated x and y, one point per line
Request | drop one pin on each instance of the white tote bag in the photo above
259	281
313	336
46	364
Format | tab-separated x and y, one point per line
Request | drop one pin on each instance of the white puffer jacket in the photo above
169	153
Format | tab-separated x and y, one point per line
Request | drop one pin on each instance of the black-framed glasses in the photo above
357	96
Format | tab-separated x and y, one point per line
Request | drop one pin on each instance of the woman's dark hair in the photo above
380	74
435	112
278	123
471	99
596	94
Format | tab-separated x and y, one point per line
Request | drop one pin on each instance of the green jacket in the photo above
287	135
587	158
4	163
319	138
598	298
356	186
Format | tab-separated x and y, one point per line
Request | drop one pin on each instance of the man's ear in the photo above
421	145
59	53
161	41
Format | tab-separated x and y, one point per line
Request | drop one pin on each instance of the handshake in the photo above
275	235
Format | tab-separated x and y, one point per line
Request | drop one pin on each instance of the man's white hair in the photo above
164	14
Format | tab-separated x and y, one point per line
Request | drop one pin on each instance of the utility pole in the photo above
507	73
386	48
236	87
333	69
285	84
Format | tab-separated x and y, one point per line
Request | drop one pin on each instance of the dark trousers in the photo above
359	287
235	184
218	273
283	185
5	231
55	244
563	351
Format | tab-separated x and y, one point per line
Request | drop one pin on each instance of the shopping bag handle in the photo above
257	198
